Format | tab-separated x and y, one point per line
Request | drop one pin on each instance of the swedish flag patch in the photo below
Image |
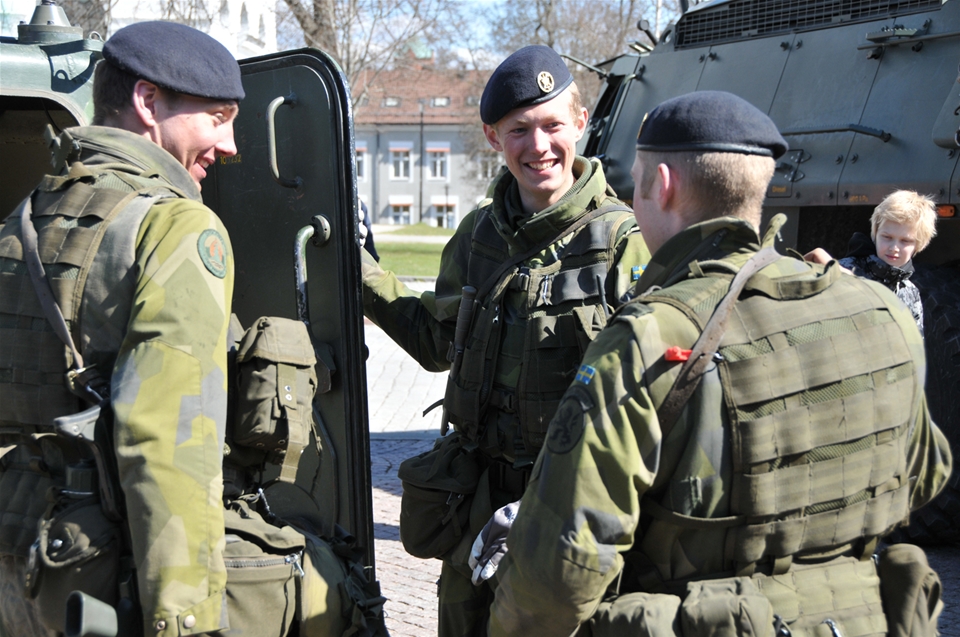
636	271
585	374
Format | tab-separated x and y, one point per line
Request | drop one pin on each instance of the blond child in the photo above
900	227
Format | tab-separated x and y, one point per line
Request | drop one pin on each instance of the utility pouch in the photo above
637	615
910	590
277	380
438	487
732	607
264	566
77	550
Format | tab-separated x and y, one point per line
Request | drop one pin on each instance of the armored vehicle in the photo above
866	94
288	199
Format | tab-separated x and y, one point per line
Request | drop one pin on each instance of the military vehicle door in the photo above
289	193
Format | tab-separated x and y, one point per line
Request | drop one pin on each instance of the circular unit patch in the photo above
567	426
213	252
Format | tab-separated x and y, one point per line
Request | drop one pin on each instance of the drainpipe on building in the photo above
423	160
375	176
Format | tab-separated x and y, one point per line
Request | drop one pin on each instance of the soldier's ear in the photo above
144	98
492	137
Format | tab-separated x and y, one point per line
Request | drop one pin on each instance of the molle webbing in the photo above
556	310
832	428
71	220
819	388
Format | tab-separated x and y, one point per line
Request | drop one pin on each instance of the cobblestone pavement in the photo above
399	390
409	584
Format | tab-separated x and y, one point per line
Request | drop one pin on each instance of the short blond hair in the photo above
717	184
909	208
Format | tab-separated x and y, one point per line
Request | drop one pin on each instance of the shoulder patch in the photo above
585	374
567	425
213	252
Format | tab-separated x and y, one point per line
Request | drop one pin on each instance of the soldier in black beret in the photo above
550	218
676	480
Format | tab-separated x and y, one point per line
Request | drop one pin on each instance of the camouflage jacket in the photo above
161	333
581	524
424	324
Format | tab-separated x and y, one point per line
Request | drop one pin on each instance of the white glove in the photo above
361	226
491	545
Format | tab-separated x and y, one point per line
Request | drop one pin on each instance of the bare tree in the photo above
367	36
90	15
587	30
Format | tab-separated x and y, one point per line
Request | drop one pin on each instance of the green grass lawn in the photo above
410	259
422	230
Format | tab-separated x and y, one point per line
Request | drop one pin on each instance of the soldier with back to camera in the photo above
547	257
739	437
114	271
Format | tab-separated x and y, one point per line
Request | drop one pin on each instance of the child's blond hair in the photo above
909	208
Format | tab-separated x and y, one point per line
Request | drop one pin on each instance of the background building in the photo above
421	155
245	27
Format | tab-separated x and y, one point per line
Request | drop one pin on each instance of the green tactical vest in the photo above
528	335
819	389
87	223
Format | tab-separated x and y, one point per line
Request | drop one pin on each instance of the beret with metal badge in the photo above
176	57
532	75
710	121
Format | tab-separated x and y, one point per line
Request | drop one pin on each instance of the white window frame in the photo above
438	164
400	214
400	164
362	167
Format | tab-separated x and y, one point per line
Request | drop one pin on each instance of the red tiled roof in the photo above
413	86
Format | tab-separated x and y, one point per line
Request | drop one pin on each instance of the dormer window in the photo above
391	101
440	101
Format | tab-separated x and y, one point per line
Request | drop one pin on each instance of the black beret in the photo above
533	75
710	121
176	57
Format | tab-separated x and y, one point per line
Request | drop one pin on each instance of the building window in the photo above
361	163
400	214
472	100
438	159
440	101
391	101
446	215
438	163
400	164
488	166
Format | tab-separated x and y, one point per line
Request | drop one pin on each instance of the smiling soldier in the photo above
114	270
548	256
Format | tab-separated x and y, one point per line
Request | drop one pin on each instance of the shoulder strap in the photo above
702	353
543	245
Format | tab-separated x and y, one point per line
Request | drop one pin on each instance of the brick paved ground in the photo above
409	584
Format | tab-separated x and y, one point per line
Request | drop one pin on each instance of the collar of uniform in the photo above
105	144
707	240
521	230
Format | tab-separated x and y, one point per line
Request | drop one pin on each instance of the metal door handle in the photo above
291	99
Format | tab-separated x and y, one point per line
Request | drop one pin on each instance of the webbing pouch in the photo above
438	487
77	549
911	591
276	383
732	607
637	615
264	567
